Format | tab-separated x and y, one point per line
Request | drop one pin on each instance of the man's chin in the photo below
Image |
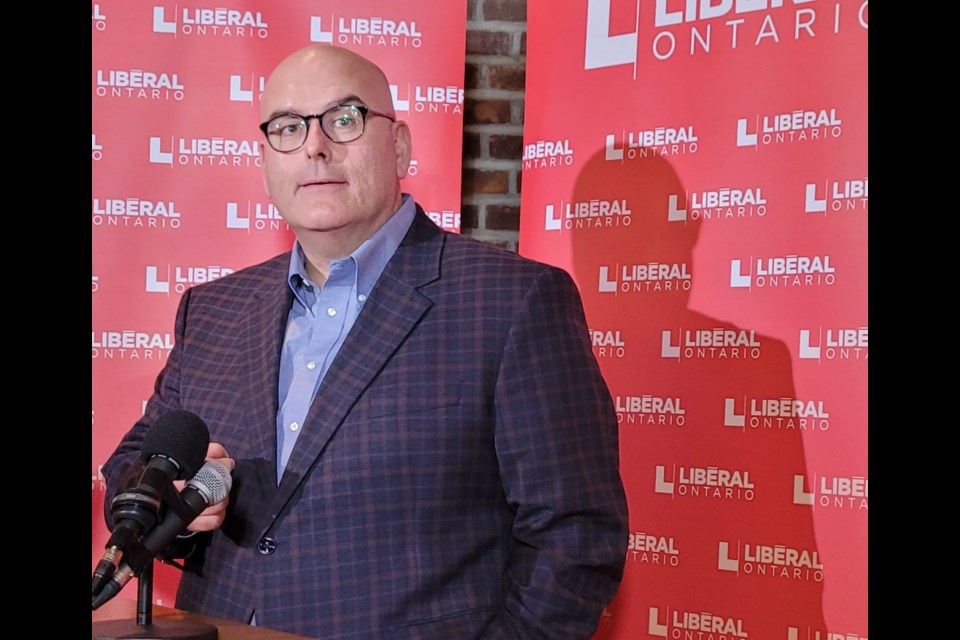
326	223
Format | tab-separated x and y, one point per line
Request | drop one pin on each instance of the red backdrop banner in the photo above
700	168
177	192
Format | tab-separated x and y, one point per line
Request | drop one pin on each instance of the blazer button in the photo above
266	545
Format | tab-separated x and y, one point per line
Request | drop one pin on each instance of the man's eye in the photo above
286	128
345	120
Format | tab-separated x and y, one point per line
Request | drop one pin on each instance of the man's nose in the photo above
317	144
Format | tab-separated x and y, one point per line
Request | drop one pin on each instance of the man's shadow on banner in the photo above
713	490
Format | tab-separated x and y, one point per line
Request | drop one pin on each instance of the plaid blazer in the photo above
457	475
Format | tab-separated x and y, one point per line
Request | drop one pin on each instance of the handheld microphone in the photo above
211	485
173	449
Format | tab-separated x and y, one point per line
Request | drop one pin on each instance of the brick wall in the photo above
493	120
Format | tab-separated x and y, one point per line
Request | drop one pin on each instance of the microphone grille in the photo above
213	481
180	435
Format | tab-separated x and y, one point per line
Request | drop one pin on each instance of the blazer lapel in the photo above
262	337
392	311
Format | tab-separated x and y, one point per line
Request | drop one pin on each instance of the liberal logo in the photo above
718	204
446	219
775	414
679	29
228	23
400	104
256	216
135	212
590	214
131	345
607	344
653	277
717	343
836	196
247	88
783	271
676	623
834	344
704	482
547	153
811	633
139	84
206	152
99	20
645	548
647	409
158	280
600	48
773	560
832	492
97	150
661	141
428	98
780	128
366	30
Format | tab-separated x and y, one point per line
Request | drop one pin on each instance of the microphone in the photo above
211	485
173	449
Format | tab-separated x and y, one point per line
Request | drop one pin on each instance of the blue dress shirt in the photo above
321	318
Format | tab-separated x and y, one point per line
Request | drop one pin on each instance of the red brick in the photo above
480	181
513	10
471	145
472	13
503	244
503	217
486	111
506	147
471	76
488	42
469	216
506	76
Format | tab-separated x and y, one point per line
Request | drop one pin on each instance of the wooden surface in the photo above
122	609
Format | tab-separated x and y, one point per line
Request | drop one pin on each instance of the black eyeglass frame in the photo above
363	109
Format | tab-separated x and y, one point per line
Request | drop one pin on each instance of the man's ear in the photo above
403	145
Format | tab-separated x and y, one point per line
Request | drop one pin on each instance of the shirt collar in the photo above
370	257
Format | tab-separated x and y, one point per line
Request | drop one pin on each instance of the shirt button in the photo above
266	545
361	298
331	311
311	365
294	426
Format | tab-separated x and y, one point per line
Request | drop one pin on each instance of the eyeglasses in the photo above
288	132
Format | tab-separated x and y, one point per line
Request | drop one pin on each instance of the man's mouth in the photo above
320	182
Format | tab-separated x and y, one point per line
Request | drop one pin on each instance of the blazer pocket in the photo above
402	401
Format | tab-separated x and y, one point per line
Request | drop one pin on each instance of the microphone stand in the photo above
145	597
145	627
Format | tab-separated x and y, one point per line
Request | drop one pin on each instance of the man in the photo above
421	442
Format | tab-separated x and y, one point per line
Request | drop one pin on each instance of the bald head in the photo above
330	67
334	194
